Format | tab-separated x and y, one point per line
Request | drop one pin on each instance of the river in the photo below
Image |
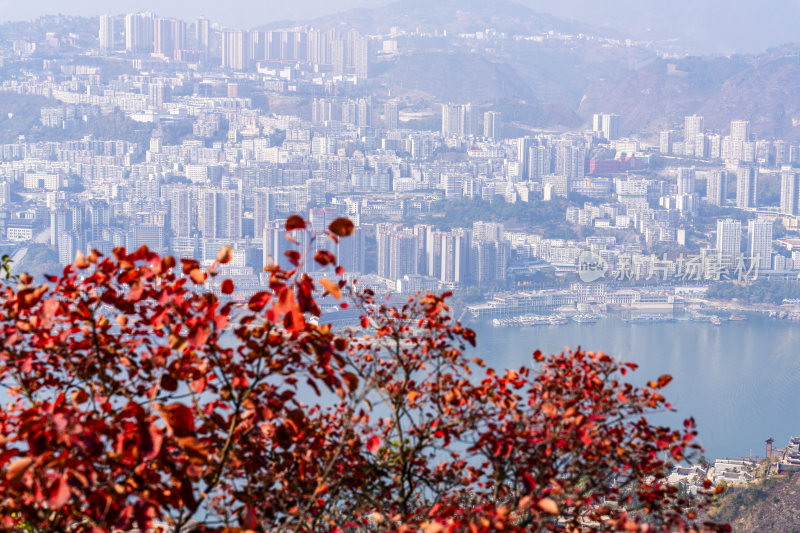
740	380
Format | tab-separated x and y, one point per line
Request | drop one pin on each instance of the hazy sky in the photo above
711	25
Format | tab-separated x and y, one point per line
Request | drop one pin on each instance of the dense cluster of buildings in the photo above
348	151
148	35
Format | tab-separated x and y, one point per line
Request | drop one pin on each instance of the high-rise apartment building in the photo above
69	243
235	50
487	231
275	244
488	261
455	254
180	211
462	120
403	254
729	238
391	115
351	252
397	251
606	126
383	234
611	127
169	37
759	233
692	126
570	159
665	140
469	120
746	185
139	28
740	130
106	33
491	124
790	191
202	36
686	180
220	214
538	161
523	156
717	187
451	120
361	57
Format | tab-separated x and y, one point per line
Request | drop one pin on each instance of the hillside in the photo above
568	81
771	506
763	89
455	76
453	16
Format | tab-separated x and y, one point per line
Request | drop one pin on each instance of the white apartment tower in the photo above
760	236
717	187
202	34
361	57
746	185
790	191
606	125
235	50
451	119
665	139
692	126
139	28
491	124
740	131
686	180
729	238
106	33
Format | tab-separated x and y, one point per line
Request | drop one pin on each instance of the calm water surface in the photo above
740	381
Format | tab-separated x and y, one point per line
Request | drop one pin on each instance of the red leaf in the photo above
342	227
198	276
258	301
294	257
227	287
153	440
224	255
18	467
220	321
295	222
294	322
373	444
136	291
548	506
198	336
199	385
59	494
179	418
324	258
549	409
331	288
285	303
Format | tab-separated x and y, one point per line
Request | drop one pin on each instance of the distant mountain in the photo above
457	76
454	16
563	82
763	89
698	26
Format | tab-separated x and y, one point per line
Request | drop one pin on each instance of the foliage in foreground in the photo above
139	398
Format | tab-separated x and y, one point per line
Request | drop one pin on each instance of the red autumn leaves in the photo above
138	397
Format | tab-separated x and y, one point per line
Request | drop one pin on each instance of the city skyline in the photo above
708	27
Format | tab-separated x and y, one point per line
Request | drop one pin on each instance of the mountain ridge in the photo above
454	16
